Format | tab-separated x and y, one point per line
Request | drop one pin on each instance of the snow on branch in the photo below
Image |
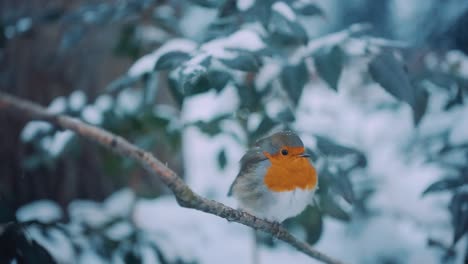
184	195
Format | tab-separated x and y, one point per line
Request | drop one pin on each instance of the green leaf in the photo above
206	3
222	160
307	9
244	61
193	80
459	210
342	185
390	74
171	60
331	148
218	79
443	185
311	219
212	127
251	99
419	109
329	65
175	91
293	79
330	207
286	116
202	85
228	8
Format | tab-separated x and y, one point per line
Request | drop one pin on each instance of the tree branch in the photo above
184	195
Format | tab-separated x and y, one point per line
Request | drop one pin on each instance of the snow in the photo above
58	142
104	102
219	103
24	24
243	5
42	210
119	231
33	128
243	39
128	101
77	100
58	105
148	255
146	63
267	74
119	203
459	133
92	115
283	9
88	212
54	241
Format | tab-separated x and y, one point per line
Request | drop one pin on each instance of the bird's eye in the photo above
284	152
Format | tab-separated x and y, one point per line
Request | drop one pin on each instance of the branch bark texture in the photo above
184	195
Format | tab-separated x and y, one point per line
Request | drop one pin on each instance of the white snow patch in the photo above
148	255
58	105
285	10
33	128
91	257
128	101
92	115
24	24
104	102
119	203
243	5
57	143
147	62
88	212
77	100
55	242
267	74
213	103
459	132
45	211
244	39
119	231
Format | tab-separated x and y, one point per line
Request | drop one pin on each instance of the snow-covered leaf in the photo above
307	8
263	128
285	26
171	60
43	210
243	61
443	185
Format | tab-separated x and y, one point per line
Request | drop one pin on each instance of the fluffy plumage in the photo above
258	198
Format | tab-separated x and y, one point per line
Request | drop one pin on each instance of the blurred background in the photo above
376	90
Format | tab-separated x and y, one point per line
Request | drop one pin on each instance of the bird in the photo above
276	180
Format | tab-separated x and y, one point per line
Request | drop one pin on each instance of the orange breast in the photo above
287	174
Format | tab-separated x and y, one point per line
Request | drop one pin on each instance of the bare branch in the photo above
184	195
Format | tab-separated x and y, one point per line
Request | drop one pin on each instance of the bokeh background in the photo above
376	90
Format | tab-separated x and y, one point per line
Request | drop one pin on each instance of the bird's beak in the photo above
305	155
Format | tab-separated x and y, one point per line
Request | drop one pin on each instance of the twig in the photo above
184	195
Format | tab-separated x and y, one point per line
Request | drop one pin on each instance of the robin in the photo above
276	180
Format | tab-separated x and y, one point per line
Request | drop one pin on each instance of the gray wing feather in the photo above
248	161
